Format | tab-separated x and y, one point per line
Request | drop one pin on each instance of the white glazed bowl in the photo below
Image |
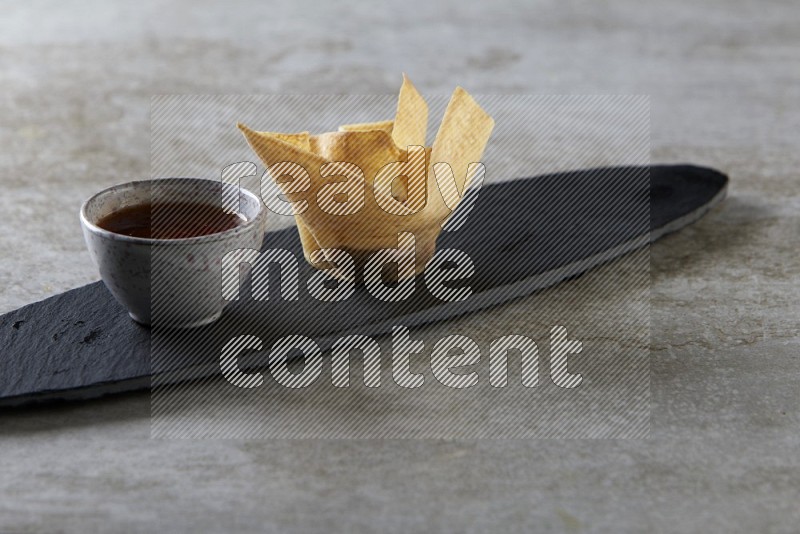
169	282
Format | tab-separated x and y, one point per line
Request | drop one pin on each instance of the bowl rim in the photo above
218	236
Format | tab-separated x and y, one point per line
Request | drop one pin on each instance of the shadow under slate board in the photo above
522	236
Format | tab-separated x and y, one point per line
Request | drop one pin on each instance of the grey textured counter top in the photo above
724	80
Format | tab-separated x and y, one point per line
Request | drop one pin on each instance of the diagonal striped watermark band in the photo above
494	339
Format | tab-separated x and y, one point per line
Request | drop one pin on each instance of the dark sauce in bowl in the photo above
170	220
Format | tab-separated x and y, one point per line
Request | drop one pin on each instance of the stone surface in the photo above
723	80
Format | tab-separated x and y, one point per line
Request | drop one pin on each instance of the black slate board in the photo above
522	235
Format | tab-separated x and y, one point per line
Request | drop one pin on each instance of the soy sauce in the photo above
170	220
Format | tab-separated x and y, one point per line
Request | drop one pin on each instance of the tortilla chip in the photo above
277	147
346	209
273	148
411	118
300	140
368	149
463	135
385	126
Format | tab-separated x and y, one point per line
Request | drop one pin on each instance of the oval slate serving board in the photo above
522	235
